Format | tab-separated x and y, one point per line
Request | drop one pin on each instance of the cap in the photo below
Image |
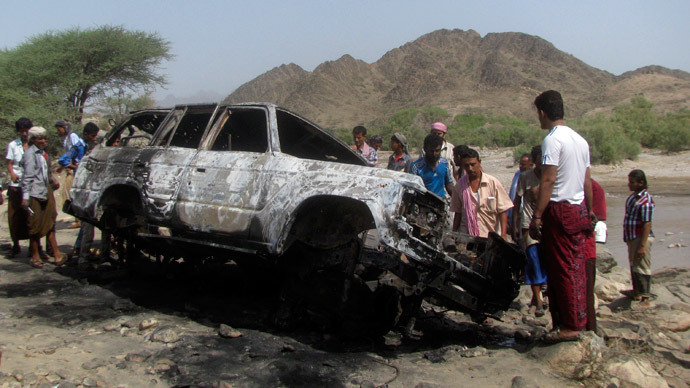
439	126
37	132
401	139
61	123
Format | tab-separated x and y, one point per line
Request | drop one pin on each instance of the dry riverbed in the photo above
168	326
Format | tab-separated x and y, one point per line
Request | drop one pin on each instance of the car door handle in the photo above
201	169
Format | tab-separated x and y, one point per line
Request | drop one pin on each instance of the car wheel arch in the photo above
327	221
119	201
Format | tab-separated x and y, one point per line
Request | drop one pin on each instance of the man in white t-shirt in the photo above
562	218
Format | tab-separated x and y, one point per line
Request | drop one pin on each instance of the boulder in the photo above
523	382
605	259
618	274
165	334
670	274
137	357
148	324
226	331
94	363
573	359
608	290
636	373
681	307
673	320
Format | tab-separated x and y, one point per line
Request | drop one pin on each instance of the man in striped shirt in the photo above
638	234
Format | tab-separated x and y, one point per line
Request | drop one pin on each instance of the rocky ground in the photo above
160	327
167	326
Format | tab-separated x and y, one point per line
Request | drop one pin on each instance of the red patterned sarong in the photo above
565	231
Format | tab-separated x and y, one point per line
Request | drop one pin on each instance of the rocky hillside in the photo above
460	71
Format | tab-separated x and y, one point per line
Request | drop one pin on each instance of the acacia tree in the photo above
77	65
115	106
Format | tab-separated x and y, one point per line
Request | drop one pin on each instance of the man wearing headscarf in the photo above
37	197
440	129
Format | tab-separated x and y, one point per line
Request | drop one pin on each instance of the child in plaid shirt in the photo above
637	233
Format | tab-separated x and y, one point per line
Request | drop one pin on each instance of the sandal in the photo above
539	312
62	260
36	263
555	337
631	294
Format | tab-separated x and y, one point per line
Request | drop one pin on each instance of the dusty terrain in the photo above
175	326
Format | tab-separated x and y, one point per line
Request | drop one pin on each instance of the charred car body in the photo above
255	183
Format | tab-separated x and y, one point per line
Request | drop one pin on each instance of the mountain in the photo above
460	71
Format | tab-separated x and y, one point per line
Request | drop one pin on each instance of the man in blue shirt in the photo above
434	170
74	150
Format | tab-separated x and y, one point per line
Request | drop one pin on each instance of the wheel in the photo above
321	290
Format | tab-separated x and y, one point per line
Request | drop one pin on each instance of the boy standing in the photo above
359	135
638	235
400	160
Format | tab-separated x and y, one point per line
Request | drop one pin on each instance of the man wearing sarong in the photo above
562	219
37	197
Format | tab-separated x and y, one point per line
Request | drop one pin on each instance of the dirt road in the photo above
160	328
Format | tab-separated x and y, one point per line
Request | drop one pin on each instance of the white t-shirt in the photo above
15	151
70	140
569	151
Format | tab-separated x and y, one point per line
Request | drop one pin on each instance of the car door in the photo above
222	190
163	167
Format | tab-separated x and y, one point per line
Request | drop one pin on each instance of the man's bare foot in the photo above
564	335
60	259
645	303
36	262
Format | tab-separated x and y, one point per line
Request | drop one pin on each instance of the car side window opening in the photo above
167	129
137	131
190	130
134	137
301	139
244	130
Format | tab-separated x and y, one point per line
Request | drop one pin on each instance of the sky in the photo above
219	45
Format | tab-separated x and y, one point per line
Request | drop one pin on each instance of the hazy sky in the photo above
219	45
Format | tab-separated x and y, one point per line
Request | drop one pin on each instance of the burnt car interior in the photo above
303	140
190	130
246	129
138	130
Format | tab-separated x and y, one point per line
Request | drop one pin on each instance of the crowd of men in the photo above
32	210
553	210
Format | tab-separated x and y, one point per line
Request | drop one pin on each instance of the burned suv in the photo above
257	184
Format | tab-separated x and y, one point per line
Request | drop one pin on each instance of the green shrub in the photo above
521	150
608	141
612	137
469	120
638	121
